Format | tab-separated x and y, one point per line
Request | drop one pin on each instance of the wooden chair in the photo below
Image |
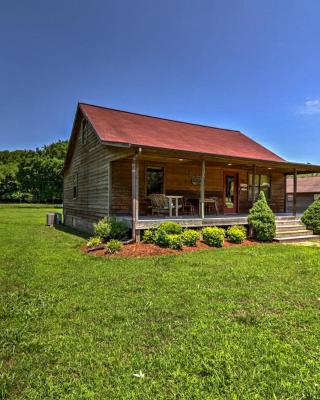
212	205
160	204
188	207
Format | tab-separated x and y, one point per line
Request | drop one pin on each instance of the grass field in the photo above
236	323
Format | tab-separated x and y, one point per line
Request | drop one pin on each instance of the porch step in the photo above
292	234
291	229
304	238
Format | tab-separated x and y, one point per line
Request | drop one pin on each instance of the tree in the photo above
262	220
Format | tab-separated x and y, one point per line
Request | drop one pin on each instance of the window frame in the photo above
75	186
258	185
84	131
158	167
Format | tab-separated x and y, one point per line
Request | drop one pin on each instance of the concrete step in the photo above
286	228
289	222
287	218
303	238
292	234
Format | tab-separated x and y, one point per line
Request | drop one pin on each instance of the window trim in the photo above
160	167
75	186
84	131
259	185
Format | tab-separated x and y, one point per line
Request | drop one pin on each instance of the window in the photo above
290	197
84	131
75	186
262	182
154	180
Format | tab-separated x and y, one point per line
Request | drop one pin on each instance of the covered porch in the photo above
196	190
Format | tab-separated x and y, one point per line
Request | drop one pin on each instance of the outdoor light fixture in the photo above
229	164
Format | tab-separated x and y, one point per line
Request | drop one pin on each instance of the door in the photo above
230	192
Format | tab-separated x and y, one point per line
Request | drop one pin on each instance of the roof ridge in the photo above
161	118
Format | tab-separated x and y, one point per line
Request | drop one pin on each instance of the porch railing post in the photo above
202	188
294	205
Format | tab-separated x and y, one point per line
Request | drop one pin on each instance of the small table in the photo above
171	198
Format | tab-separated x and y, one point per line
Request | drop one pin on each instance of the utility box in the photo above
54	219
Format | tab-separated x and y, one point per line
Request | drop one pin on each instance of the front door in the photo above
230	192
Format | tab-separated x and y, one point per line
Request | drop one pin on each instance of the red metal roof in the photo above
117	126
306	184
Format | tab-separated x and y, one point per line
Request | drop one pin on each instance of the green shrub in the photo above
113	246
311	217
161	238
94	241
237	234
262	220
213	236
102	228
175	241
149	236
119	228
190	237
170	228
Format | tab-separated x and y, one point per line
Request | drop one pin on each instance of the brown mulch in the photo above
148	250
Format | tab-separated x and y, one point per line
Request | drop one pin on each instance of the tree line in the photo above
33	175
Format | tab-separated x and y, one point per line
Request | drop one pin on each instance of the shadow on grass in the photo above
72	231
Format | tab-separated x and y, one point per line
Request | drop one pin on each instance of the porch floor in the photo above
152	221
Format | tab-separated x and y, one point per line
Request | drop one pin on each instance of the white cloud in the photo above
310	107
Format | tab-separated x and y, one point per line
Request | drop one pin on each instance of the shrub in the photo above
170	228
190	237
237	234
262	220
94	241
111	228
119	228
175	241
213	236
149	236
102	228
161	238
113	246
311	217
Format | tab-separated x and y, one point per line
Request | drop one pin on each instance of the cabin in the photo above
308	190
146	169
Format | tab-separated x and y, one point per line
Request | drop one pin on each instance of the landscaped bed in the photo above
148	249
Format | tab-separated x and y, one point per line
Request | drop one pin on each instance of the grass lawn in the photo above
236	323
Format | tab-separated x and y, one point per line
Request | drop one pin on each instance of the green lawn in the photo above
236	323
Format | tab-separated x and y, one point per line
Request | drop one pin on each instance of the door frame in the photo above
235	209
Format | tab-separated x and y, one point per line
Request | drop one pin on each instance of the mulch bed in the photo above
148	250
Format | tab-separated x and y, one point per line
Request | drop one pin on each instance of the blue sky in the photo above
249	65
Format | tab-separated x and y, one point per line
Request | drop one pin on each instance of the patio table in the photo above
171	199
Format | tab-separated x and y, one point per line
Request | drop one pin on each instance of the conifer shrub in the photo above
311	217
262	220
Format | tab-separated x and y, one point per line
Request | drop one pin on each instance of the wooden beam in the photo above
294	205
135	195
202	188
254	169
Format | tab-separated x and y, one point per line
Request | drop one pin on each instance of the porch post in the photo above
253	183
202	188
135	196
294	205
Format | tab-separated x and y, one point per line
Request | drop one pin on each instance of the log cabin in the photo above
147	169
308	190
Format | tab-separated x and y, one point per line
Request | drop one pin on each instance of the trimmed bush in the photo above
237	234
94	242
213	236
149	236
170	228
175	241
114	246
311	217
190	237
161	238
262	220
102	228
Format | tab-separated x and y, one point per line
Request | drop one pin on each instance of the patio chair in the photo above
160	204
188	207
212	205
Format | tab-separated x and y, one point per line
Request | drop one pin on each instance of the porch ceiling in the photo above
157	155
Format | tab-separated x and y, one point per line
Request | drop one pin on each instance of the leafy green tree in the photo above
311	217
